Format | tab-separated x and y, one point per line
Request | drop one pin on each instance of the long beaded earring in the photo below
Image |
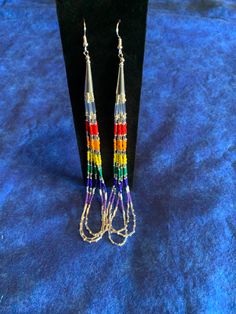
94	162
120	194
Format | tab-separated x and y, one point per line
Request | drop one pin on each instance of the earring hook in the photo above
85	41
120	46
117	28
84	26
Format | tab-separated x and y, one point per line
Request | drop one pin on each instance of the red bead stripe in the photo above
120	129
87	125
94	129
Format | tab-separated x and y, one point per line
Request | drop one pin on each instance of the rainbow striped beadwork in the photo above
94	163
120	197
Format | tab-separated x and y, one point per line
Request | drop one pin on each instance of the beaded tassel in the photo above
120	186
94	162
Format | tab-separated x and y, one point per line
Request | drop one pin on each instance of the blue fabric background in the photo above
182	258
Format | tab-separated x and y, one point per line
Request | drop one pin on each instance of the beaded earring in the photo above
120	197
120	194
94	162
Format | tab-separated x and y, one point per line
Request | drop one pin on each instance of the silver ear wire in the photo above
120	87
117	28
120	45
85	41
89	95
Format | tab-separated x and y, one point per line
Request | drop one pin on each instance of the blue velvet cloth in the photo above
182	257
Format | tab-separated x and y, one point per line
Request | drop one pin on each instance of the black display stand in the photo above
101	18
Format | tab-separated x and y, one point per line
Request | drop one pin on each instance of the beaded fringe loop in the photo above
120	196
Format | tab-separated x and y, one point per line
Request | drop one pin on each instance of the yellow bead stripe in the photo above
96	158
120	158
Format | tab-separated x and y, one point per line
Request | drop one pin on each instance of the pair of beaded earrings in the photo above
120	197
